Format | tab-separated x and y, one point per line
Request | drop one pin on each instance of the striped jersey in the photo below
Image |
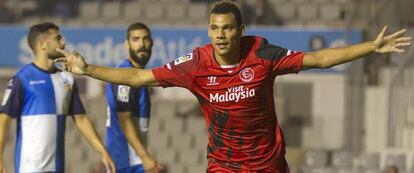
40	102
122	98
237	103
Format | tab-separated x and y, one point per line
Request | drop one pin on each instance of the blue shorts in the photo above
132	169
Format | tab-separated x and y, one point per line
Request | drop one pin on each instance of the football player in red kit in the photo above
232	79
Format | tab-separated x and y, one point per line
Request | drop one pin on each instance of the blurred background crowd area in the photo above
300	13
357	118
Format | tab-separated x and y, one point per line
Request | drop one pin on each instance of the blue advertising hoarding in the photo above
105	45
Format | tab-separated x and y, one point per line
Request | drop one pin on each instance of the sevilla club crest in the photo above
246	75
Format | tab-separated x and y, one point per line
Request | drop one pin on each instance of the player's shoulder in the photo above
252	38
187	59
125	63
203	55
252	41
26	69
26	72
205	50
265	50
193	58
14	82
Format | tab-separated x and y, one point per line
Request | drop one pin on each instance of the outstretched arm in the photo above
327	58
84	124
75	63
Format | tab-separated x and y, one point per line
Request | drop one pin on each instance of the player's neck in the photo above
231	58
135	64
44	63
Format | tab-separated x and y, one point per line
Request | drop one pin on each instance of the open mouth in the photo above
222	45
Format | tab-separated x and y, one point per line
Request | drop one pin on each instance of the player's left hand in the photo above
391	43
109	164
2	167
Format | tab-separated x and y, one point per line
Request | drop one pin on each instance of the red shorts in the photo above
280	167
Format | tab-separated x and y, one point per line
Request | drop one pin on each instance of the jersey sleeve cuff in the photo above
157	72
299	61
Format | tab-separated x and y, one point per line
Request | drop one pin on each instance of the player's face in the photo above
224	33
53	41
139	45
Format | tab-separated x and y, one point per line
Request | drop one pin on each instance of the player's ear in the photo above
242	29
126	45
41	45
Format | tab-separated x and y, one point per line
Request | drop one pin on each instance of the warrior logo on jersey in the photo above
212	81
246	75
123	93
183	59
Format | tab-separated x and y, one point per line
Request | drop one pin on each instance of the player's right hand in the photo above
109	163
72	62
150	165
393	43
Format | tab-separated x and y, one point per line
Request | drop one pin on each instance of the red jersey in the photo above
237	104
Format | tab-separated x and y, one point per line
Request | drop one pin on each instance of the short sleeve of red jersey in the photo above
283	61
178	72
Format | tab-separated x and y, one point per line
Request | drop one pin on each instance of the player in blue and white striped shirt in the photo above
40	97
129	110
